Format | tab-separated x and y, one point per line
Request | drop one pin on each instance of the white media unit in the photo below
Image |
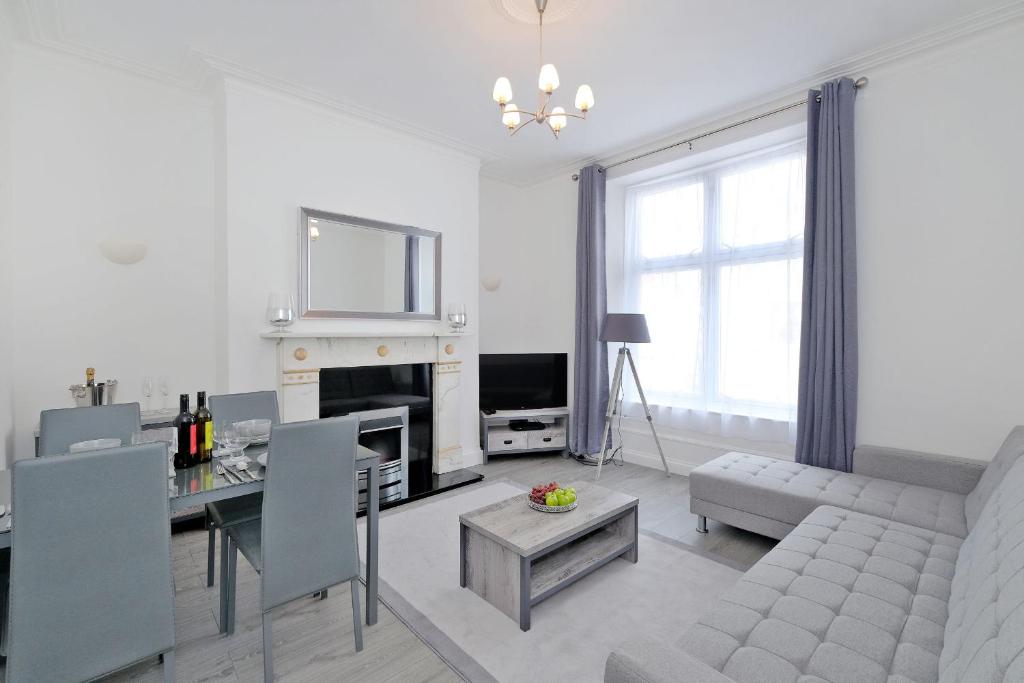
498	438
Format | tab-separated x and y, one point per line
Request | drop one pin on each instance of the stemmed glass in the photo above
280	310
457	316
165	435
229	438
147	390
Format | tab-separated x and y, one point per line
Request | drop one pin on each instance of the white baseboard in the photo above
653	461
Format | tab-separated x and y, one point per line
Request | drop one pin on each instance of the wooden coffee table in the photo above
514	557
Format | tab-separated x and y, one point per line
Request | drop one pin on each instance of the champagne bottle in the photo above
185	423
90	376
204	429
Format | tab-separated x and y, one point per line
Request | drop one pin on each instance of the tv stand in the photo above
497	437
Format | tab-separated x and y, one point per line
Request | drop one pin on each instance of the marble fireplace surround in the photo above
301	355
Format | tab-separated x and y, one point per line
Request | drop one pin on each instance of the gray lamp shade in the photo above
625	327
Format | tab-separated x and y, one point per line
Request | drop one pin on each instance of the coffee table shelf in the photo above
515	557
556	570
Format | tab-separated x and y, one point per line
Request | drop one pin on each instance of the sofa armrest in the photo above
959	475
650	662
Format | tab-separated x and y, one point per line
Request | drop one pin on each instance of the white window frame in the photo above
708	261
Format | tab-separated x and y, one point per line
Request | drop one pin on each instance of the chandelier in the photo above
557	118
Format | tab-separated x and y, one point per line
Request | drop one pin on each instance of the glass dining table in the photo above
202	484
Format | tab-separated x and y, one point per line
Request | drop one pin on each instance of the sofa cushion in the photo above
844	597
1005	458
788	492
984	638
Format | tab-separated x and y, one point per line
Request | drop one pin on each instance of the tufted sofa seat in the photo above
784	493
855	596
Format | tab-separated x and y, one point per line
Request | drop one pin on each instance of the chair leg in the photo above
225	544
168	660
357	619
268	650
323	594
232	578
211	551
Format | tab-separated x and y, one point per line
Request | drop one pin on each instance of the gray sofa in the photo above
880	580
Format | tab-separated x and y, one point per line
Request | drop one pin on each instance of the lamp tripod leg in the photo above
613	397
647	411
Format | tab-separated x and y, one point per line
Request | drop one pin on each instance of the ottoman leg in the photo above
702	524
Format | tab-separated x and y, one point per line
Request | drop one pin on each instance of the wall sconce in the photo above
491	283
123	253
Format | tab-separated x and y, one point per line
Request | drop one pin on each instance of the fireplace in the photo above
395	407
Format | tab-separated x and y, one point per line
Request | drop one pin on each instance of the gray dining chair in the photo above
61	427
229	408
306	539
91	590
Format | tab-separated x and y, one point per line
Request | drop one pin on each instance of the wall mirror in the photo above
358	268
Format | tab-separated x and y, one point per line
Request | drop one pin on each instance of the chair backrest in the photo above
253	405
995	472
62	427
309	509
91	587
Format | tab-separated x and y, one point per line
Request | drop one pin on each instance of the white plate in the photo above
262	459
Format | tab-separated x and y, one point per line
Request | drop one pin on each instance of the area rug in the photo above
571	633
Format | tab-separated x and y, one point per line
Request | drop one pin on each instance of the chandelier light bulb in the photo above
511	118
548	80
584	98
502	91
557	119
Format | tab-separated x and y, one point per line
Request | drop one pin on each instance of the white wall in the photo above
941	248
98	153
528	240
212	181
940	240
6	236
281	153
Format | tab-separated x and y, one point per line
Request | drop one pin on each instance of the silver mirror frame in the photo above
304	295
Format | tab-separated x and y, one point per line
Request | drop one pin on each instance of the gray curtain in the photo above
827	398
412	272
590	385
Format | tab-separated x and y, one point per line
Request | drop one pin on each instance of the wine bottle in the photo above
185	423
204	428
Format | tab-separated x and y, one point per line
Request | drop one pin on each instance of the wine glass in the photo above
280	310
229	438
457	316
147	390
165	390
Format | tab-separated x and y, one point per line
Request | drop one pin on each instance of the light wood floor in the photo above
313	639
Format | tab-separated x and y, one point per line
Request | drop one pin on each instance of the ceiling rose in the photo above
525	11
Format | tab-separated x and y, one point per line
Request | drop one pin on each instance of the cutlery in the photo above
3	510
222	471
244	468
237	471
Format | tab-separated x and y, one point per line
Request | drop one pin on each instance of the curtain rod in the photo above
859	83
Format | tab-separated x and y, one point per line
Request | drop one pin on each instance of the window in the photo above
714	259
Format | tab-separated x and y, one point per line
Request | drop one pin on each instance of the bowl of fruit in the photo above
552	498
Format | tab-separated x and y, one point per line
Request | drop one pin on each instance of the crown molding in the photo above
40	23
884	56
43	27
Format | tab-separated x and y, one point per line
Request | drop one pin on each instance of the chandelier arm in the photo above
523	124
575	116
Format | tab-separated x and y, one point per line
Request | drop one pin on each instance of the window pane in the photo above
672	221
763	203
670	365
759	338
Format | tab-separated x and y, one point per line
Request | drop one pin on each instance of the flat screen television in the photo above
523	381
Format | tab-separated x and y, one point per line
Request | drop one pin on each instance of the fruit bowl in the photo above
550	508
551	498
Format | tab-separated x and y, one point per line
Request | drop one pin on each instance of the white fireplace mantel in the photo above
301	356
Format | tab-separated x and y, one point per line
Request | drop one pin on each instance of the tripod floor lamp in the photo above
626	328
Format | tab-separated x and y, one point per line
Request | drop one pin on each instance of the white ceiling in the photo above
655	65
